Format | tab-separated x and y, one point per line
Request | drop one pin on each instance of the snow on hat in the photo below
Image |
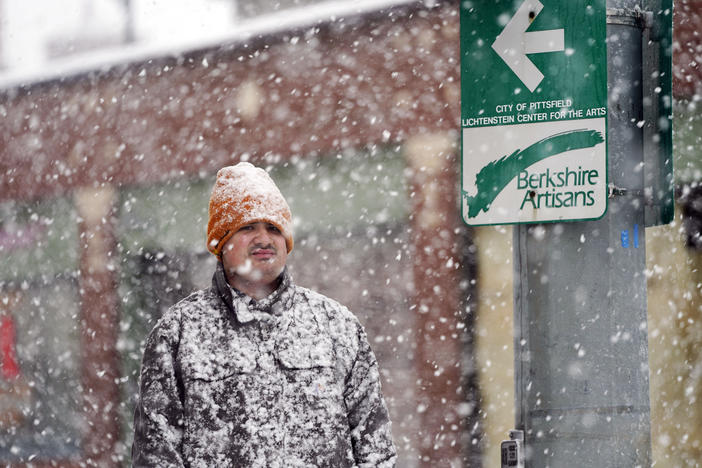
245	194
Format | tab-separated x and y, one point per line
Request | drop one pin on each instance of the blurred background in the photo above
115	116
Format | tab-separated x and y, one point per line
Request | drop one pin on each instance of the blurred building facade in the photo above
104	180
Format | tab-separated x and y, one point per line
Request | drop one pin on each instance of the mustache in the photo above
263	247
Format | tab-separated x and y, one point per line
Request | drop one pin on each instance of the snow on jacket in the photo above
287	381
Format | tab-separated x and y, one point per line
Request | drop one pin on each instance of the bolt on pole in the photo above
581	349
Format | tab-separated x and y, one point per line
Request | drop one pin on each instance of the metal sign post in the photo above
581	350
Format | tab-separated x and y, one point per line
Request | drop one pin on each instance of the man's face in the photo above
255	256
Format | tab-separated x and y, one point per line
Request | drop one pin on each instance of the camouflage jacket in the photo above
288	381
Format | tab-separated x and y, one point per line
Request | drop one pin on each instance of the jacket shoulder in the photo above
192	306
193	302
318	302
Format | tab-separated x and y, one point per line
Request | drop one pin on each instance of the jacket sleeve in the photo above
367	414
158	417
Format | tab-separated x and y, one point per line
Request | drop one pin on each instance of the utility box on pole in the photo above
581	347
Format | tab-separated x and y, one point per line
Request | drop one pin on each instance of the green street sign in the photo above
533	111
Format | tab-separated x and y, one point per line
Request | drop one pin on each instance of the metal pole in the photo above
581	350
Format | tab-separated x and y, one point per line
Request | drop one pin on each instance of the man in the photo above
257	371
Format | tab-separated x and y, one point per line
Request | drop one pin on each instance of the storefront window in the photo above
40	391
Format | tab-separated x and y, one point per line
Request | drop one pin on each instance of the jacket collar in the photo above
245	308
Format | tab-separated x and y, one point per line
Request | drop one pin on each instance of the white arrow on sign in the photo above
514	43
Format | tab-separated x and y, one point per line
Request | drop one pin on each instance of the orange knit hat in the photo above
245	194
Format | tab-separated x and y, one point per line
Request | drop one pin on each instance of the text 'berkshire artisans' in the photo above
578	179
